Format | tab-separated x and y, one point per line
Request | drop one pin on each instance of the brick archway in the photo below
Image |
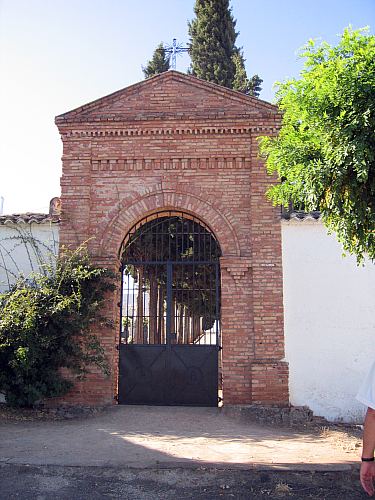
174	142
123	217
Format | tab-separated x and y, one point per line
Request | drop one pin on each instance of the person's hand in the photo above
367	476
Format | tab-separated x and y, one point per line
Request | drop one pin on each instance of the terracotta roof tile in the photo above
28	218
301	215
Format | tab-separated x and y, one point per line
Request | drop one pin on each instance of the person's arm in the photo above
367	473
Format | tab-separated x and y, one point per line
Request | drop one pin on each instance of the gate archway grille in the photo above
170	325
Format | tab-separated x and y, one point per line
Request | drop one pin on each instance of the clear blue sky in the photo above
58	54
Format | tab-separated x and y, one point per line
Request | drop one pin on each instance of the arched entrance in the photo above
170	312
145	147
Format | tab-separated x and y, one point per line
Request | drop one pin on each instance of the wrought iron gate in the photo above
170	333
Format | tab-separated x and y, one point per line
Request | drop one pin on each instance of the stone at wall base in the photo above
271	414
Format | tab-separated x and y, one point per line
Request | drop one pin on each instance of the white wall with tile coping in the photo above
329	311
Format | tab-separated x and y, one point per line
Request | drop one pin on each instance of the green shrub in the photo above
45	325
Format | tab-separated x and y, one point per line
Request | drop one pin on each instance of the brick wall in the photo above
176	142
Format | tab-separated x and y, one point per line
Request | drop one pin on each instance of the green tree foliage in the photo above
213	51
212	42
45	326
255	85
241	82
158	64
325	152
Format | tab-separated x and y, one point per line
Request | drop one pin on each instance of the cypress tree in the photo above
255	85
212	42
158	64
241	82
213	51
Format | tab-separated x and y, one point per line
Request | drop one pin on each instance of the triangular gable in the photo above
170	94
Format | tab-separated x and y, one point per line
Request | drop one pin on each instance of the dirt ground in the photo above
44	481
344	437
94	483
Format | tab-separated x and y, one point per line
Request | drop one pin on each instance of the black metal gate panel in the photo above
169	375
170	320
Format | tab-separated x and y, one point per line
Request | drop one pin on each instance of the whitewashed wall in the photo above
329	321
16	257
329	306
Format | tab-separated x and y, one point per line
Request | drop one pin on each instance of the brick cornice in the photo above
90	130
136	164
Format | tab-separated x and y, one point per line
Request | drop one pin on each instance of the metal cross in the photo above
173	50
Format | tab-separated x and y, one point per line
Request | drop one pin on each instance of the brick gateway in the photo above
177	143
170	347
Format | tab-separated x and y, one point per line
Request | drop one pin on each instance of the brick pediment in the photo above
171	96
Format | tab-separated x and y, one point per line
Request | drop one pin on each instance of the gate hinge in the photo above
219	348
115	398
219	399
117	347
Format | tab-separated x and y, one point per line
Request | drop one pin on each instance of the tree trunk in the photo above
139	318
187	327
159	333
173	316
153	309
180	333
196	327
161	322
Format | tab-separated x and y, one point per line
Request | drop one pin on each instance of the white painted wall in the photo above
329	306
16	257
329	321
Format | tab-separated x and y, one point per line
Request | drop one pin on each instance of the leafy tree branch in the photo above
46	324
324	155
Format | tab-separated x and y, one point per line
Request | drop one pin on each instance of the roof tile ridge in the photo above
301	215
28	218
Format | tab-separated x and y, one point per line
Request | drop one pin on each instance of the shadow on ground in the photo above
172	436
79	483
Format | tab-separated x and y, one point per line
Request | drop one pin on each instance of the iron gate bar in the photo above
166	215
169	303
176	292
217	274
165	262
165	366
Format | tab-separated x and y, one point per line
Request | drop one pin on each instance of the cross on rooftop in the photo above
173	50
